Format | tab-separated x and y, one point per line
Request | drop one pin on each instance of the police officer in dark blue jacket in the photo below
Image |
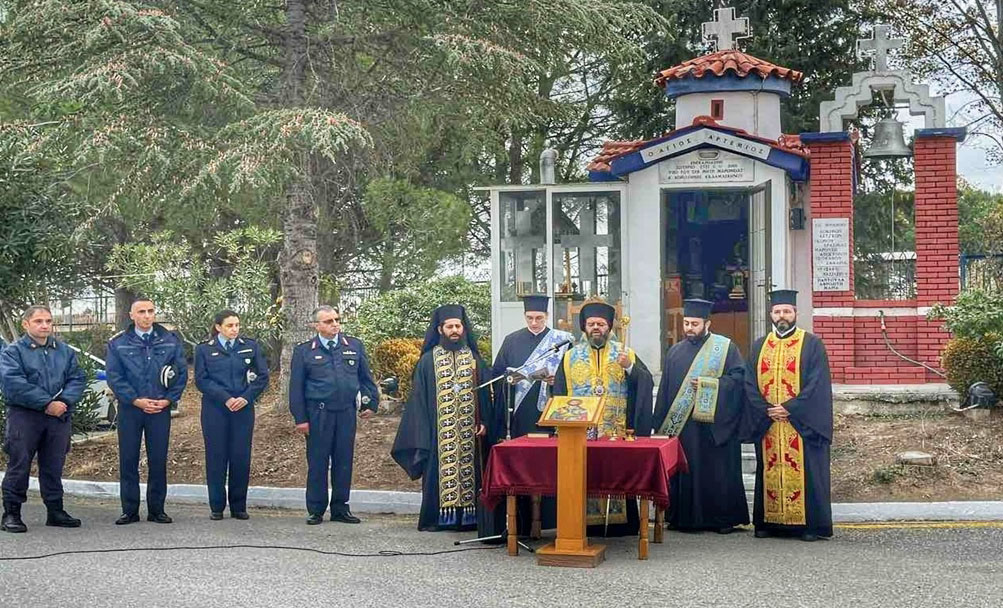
147	372
41	384
328	377
231	371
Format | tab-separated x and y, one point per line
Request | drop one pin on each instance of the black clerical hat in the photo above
439	316
697	308
535	303
448	311
596	309
783	296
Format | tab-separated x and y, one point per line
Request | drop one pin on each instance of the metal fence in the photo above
984	272
885	276
89	308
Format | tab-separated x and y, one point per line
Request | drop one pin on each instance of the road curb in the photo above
405	503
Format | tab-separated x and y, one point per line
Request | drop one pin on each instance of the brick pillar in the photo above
831	196
937	249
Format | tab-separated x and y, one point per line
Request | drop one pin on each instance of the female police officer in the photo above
231	372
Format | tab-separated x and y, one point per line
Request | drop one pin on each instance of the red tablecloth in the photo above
528	465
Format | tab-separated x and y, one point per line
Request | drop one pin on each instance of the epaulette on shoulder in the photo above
307	341
116	335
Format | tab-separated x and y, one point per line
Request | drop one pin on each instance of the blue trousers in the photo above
30	433
330	447
133	425
227	455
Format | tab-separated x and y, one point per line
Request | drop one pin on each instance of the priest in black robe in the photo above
532	354
789	390
447	427
701	399
601	366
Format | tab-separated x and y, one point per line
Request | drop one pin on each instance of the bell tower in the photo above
853	329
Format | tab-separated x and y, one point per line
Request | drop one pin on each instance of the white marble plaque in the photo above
831	254
707	168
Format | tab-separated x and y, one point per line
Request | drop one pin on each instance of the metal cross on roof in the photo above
880	43
725	29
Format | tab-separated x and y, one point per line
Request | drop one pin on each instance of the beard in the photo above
451	341
695	337
598	340
783	325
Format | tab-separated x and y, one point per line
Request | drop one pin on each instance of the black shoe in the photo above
159	518
240	515
762	534
727	530
216	516
345	517
11	522
809	538
314	520
59	518
127	518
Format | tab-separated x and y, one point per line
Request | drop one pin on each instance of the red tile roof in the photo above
615	149
727	61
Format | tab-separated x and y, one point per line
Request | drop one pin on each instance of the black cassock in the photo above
811	416
711	495
416	446
639	397
515	351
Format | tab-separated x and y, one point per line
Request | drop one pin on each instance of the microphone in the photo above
560	345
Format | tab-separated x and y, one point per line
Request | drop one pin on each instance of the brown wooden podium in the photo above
572	416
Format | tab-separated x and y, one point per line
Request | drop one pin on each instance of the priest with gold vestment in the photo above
789	389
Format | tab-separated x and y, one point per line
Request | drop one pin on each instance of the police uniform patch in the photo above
247	361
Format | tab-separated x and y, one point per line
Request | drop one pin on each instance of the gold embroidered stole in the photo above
779	380
455	427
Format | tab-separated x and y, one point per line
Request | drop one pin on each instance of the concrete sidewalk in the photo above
379	501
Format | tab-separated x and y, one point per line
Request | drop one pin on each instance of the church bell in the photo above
888	141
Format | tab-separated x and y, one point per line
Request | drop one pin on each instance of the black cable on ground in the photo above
388	553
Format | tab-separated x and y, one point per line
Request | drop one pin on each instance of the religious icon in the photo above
564	409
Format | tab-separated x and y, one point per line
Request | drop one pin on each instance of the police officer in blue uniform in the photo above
41	384
328	375
147	372
231	371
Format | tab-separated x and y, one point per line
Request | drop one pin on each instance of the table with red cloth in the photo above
640	468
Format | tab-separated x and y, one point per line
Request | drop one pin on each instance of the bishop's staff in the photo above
624	323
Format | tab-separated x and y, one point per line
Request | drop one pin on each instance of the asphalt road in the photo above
907	566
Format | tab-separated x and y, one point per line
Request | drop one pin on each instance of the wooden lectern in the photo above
572	416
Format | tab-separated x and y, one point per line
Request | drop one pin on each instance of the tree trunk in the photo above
298	272
515	158
298	269
123	302
387	267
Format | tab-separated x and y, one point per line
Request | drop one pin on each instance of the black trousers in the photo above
330	446
133	425
30	433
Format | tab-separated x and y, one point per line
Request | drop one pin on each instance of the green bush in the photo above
975	314
396	357
93	339
405	313
970	360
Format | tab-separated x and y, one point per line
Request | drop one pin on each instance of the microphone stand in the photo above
511	376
